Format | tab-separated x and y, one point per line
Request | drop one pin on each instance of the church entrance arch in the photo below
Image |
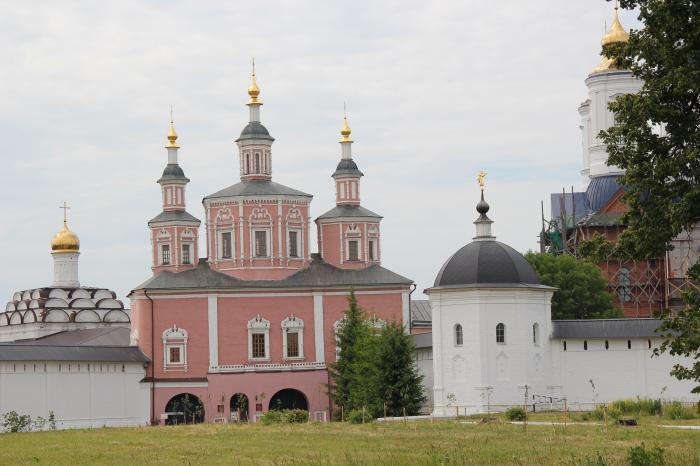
239	408
184	408
289	399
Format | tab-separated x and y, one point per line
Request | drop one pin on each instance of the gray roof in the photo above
600	190
349	211
174	216
605	328
173	172
107	336
421	311
255	130
607	219
257	188
487	263
71	353
347	167
423	340
97	344
319	274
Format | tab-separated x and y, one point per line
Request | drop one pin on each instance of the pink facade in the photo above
258	317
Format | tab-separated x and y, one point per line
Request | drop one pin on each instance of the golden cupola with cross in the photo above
65	249
65	240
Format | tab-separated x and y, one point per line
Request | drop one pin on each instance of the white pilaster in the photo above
213	321
318	328
406	310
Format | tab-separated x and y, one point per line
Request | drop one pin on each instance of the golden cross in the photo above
480	179
65	211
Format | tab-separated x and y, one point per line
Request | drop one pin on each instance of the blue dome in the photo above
600	190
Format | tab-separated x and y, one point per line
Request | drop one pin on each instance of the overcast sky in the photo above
435	92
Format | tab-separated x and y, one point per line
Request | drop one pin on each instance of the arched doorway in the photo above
184	408
288	399
239	408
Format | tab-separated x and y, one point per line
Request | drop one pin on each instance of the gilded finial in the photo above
65	240
253	89
345	130
480	178
172	135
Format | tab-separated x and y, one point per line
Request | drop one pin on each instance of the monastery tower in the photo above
174	232
605	83
65	250
348	235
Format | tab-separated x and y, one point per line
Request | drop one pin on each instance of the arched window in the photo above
629	344
564	345
501	333
259	339
649	343
459	335
585	345
257	162
293	338
535	334
175	349
624	285
607	344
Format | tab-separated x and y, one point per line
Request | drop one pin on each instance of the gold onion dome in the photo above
615	35
172	136
253	91
345	131
65	241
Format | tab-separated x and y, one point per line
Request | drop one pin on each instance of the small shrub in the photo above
39	423
356	416
52	421
641	406
285	416
675	410
515	413
13	422
640	456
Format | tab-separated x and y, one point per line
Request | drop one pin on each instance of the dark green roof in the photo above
349	211
347	167
174	216
258	188
173	172
609	219
318	274
255	130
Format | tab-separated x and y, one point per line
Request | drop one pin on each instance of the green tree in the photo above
582	291
399	384
657	142
347	371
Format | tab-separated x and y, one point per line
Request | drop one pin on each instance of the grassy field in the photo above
418	442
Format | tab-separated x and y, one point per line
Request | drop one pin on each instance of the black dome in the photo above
255	130
173	171
488	263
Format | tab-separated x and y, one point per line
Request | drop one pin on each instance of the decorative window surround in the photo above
292	325
259	326
175	338
226	236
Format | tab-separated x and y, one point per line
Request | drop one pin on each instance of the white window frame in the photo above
504	334
190	250
298	244
175	337
535	334
220	252
359	249
293	324
458	338
161	255
372	250
268	234
258	325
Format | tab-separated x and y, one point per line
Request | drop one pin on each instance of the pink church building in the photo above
252	326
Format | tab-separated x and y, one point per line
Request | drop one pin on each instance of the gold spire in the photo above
65	240
172	135
616	34
253	89
480	178
345	130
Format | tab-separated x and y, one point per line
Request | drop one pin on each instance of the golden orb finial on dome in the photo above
65	240
253	89
172	135
615	35
345	130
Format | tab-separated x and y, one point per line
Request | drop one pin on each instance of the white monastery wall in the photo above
617	373
104	395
